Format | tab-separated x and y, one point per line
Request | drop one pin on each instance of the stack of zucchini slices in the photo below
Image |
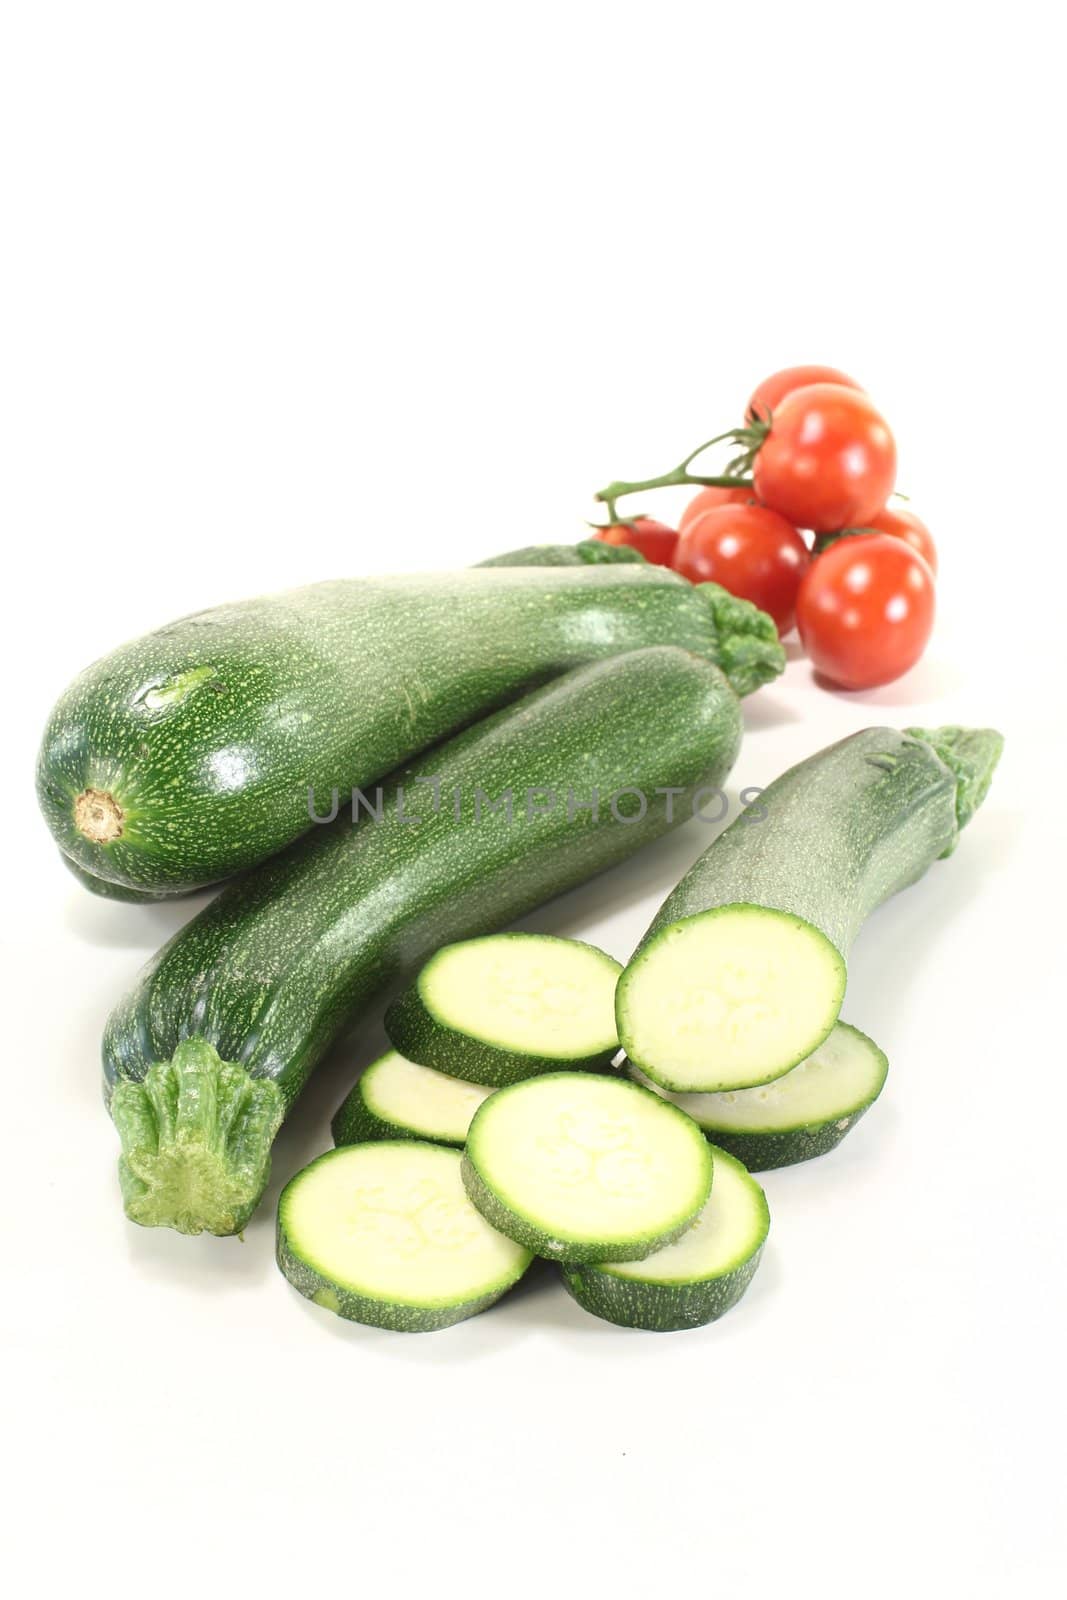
503	1050
639	1185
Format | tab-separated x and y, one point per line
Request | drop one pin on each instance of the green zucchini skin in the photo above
267	974
417	1033
657	1308
762	1150
106	890
668	1307
587	552
199	749
840	833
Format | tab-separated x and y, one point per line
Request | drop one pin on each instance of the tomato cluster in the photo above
860	588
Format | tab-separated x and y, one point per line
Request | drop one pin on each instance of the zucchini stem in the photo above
196	1136
748	650
972	755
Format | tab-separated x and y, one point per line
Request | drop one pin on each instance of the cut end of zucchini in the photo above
196	1138
693	1281
98	816
584	1168
384	1234
729	998
499	1009
748	649
805	1113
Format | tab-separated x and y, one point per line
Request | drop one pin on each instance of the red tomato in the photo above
654	539
828	462
773	390
709	498
865	610
907	526
749	550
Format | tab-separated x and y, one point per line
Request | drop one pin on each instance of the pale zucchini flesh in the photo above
696	1279
384	1234
499	1009
728	998
581	1167
802	1114
397	1099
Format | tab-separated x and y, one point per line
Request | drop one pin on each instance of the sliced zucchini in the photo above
581	1167
397	1099
803	1114
384	1234
500	1009
729	998
693	1281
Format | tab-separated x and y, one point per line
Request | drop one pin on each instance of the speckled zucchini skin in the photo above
840	832
762	1152
272	969
786	1147
657	1307
106	890
588	552
633	1302
205	737
423	1037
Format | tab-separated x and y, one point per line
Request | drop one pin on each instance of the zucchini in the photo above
694	1281
582	1167
107	890
210	744
397	1099
802	1114
384	1234
588	552
742	973
501	1009
219	1034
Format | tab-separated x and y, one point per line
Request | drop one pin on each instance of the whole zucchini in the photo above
193	752
742	973
207	1053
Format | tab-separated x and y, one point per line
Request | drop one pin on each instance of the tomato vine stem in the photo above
748	439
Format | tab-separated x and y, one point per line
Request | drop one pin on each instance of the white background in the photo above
297	291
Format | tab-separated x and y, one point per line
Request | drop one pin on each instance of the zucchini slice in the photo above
693	1281
805	1113
500	1009
581	1167
397	1099
384	1234
729	998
